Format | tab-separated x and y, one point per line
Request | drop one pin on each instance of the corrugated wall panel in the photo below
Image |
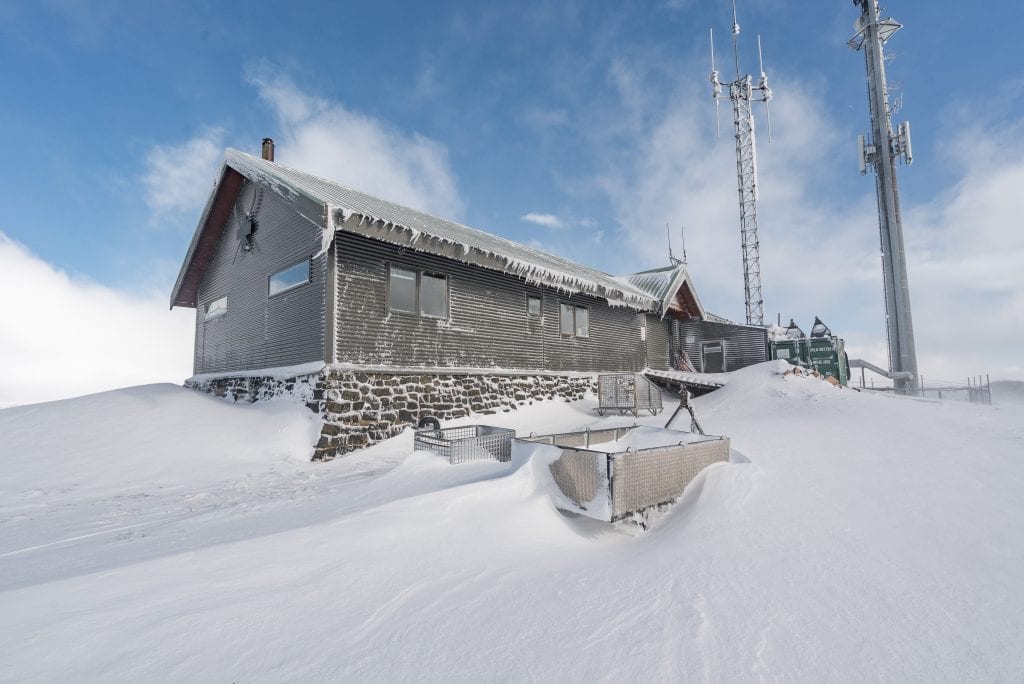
488	324
744	345
260	331
658	334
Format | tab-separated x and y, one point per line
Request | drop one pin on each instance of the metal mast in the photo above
880	153
742	92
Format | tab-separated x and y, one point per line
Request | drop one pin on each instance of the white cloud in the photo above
73	336
178	178
819	231
965	253
329	140
546	220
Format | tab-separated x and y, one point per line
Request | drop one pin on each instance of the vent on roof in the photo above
268	149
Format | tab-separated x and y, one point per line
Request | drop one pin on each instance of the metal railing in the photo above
614	483
467	443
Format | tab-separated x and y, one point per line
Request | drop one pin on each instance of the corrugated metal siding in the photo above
488	324
260	331
432	232
658	343
744	345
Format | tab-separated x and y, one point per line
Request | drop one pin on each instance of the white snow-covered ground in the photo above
157	534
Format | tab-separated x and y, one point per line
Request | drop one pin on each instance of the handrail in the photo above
892	375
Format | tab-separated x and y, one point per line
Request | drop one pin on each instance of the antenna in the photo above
742	93
735	39
763	85
668	236
682	235
716	86
880	154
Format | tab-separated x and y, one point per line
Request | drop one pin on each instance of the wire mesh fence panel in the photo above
616	391
582	476
648	477
648	395
467	443
627	392
583	438
610	483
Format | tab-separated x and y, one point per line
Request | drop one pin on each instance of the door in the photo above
712	357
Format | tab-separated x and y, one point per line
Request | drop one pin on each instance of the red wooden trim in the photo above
209	236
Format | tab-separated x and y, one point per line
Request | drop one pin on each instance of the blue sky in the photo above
593	117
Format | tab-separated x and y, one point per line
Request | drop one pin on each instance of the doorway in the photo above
712	357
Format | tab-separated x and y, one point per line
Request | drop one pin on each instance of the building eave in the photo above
206	236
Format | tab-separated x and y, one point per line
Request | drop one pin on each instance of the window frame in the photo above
562	309
573	309
309	278
576	320
419	294
418	277
207	316
415	290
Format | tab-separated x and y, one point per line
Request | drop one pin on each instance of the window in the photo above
574	320
582	322
412	292
433	296
565	319
402	290
533	306
289	278
218	307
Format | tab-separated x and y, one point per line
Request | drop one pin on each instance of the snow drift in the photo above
853	537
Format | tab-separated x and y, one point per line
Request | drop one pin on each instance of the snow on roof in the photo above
662	284
395	223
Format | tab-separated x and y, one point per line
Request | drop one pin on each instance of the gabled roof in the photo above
332	207
671	287
206	237
357	212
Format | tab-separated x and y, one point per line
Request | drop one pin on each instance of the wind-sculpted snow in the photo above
857	537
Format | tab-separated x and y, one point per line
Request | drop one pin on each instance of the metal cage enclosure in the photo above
467	443
627	392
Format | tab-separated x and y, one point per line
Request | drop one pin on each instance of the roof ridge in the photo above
522	260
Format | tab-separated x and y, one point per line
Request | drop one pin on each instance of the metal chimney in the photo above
268	149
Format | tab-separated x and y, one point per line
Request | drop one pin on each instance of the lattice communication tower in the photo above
743	93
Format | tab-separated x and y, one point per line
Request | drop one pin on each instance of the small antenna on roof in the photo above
671	257
682	235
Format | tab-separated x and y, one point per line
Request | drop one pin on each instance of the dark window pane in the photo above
402	290
434	296
293	276
533	306
582	322
565	324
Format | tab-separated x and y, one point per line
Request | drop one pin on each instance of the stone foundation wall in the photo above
362	408
307	388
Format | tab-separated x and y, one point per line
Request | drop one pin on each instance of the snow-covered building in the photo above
382	313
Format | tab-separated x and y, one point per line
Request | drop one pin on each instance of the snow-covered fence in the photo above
611	474
468	443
